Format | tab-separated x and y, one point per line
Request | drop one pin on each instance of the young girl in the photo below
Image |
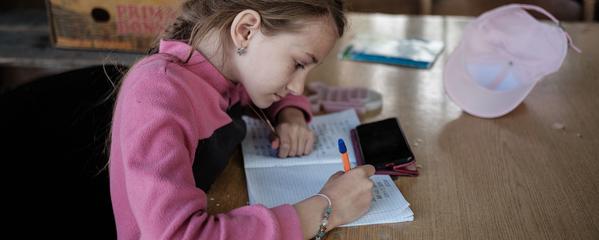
177	121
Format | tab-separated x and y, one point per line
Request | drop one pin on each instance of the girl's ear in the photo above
244	26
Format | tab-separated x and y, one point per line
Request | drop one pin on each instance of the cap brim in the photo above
473	98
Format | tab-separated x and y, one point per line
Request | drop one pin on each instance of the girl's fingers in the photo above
275	143
293	142
335	175
285	146
309	144
368	169
301	143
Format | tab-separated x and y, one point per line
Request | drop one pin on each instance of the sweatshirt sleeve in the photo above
300	102
157	135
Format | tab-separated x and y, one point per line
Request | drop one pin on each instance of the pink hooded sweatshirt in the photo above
163	109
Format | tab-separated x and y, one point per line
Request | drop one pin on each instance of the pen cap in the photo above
342	148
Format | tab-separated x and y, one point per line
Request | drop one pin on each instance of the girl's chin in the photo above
263	104
266	102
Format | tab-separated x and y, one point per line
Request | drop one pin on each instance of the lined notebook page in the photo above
273	181
275	186
328	129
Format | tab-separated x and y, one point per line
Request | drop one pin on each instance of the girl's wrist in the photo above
323	227
310	212
291	115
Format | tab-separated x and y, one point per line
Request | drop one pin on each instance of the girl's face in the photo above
274	66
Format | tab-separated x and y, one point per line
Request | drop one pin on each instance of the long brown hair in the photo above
198	18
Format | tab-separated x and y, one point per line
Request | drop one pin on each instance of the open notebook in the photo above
273	181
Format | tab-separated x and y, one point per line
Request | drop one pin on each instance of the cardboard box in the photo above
126	25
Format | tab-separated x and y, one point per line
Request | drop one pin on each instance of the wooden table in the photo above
515	177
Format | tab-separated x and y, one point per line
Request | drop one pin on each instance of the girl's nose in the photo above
296	86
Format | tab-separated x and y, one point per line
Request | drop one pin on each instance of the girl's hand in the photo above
350	194
295	138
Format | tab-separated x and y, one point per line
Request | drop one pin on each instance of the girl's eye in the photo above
299	66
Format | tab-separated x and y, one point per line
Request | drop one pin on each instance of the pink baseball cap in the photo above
502	55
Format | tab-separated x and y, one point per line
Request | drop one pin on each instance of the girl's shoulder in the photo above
158	67
157	62
162	76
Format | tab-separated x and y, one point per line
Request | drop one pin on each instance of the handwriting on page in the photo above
328	142
381	190
258	152
325	141
273	181
388	204
260	136
287	185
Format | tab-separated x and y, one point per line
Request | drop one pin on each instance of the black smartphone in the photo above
383	144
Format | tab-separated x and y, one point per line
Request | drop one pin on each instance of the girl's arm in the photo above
294	136
300	103
155	132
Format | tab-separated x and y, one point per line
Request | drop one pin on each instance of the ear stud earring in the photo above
241	51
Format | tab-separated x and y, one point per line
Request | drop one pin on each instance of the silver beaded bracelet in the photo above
325	219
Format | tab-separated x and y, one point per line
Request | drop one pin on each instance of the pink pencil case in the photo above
333	99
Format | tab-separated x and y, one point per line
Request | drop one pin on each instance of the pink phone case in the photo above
406	169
